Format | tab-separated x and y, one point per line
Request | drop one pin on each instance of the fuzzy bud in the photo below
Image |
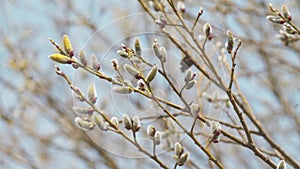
83	110
136	123
190	84
137	46
78	94
195	109
82	58
131	70
127	122
163	54
156	49
61	58
161	21
115	121
178	149
281	165
183	158
189	76
151	75
122	53
67	45
151	131
157	137
216	128
122	89
92	94
101	124
95	63
84	123
181	6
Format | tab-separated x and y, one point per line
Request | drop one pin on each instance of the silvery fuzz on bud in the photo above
195	109
216	127
151	75
137	46
95	63
115	121
84	123
122	53
127	122
181	6
136	123
83	110
161	21
188	76
281	165
82	58
178	149
78	94
183	158
156	49
190	84
131	70
67	45
163	54
151	131
122	89
92	95
157	137
101	124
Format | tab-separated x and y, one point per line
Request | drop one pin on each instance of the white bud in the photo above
115	121
83	110
151	131
127	122
163	54
195	109
122	53
131	70
136	123
84	123
157	137
92	95
188	76
122	89
178	149
101	124
95	63
82	58
190	84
